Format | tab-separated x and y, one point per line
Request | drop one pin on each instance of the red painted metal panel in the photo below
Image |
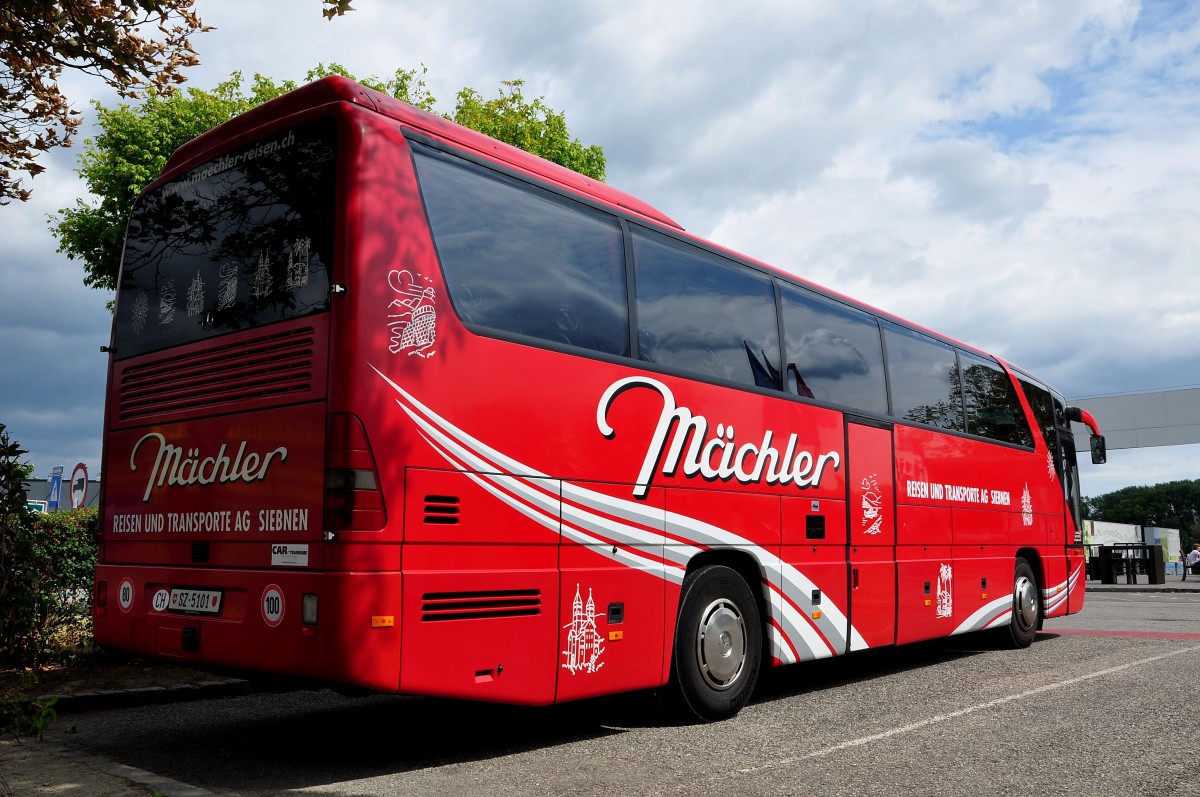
923	525
481	622
872	516
822	560
612	604
982	586
481	593
924	608
238	483
1076	579
1055	586
342	647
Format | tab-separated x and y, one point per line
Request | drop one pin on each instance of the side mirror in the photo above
1079	415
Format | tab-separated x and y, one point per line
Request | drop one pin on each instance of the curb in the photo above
157	783
149	695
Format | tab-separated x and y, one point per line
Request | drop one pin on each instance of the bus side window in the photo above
925	380
521	259
833	352
1042	404
704	314
993	409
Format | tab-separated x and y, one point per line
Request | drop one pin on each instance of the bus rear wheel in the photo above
718	643
1027	607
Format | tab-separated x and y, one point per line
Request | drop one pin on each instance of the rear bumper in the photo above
259	628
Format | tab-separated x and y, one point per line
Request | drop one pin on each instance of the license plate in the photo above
195	601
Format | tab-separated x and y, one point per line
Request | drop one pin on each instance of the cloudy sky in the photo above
1022	176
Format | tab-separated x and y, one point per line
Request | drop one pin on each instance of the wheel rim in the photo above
1026	608
721	644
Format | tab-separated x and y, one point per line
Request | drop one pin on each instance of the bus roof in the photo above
336	88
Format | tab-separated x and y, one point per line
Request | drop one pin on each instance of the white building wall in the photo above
1143	420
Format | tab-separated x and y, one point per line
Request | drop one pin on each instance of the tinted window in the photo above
244	240
833	352
1042	404
704	314
924	377
993	409
521	259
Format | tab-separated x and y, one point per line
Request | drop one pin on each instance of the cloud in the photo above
1024	178
969	179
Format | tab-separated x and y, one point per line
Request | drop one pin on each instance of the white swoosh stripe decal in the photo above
594	518
999	611
991	614
1054	597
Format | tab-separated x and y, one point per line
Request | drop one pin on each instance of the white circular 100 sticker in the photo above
125	595
272	605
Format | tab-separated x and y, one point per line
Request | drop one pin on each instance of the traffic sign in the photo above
55	487
79	486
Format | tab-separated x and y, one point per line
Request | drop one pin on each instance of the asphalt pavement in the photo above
54	767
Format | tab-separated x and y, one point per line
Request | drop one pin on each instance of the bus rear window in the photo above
243	240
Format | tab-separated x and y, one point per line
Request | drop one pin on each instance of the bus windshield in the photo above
242	240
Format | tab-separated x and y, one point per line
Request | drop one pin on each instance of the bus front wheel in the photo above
1027	606
718	643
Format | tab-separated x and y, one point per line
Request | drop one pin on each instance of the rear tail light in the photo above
353	498
100	595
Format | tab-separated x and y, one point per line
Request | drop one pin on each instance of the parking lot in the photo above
1094	707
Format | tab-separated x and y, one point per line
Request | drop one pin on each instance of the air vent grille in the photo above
443	606
441	510
267	367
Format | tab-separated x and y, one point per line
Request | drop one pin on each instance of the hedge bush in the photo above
47	561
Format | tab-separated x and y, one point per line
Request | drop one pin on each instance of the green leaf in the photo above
136	140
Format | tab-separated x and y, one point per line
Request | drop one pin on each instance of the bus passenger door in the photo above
1068	470
871	515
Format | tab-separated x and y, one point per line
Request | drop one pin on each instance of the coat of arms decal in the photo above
412	316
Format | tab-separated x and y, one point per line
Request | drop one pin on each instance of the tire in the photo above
718	643
1027	607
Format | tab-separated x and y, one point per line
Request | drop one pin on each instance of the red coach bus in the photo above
394	405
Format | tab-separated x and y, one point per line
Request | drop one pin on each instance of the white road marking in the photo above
939	718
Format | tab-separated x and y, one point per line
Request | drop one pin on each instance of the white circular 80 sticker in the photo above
125	595
272	605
